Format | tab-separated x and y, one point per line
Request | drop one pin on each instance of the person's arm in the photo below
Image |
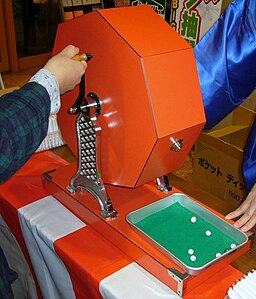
24	118
226	58
24	113
60	74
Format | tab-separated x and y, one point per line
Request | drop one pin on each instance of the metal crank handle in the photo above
76	107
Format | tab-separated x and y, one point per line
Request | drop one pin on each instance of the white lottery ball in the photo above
208	233
193	258
232	245
218	254
190	251
193	219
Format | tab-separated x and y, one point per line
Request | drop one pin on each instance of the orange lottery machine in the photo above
132	120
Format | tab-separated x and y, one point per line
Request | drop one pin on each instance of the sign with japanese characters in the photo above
222	174
219	174
193	18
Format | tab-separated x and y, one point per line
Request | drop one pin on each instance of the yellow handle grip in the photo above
85	57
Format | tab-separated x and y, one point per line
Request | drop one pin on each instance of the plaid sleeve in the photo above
24	117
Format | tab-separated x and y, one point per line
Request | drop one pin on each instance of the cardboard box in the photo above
218	157
250	102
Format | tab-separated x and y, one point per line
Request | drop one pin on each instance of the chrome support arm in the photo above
88	133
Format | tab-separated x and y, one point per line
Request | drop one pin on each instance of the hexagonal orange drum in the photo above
145	75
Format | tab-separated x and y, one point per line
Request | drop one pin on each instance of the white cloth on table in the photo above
43	222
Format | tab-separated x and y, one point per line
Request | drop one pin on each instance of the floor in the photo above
12	79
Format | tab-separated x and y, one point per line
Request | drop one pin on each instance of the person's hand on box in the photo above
247	211
67	71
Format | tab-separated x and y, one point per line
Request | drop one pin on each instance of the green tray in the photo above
167	224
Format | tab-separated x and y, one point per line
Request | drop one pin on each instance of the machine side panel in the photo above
163	160
174	91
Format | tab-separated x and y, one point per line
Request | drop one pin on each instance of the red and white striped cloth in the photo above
68	259
245	288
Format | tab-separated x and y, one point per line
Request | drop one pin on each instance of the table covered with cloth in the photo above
63	257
